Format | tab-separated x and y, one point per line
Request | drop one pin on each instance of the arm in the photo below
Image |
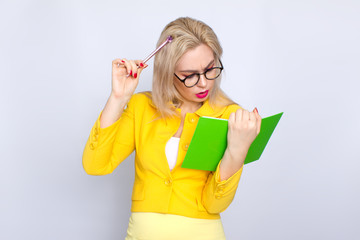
221	186
112	137
125	78
107	147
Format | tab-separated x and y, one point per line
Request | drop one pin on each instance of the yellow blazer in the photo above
186	192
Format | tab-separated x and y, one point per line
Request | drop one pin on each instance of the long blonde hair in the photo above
187	34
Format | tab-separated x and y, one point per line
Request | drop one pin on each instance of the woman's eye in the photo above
190	76
210	70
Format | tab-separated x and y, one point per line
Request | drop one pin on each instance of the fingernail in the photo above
122	61
130	72
135	75
256	110
141	65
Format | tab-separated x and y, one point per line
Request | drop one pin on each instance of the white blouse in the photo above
171	151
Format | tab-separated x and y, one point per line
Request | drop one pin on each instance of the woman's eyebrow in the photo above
212	61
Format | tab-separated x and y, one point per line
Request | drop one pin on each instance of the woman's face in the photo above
197	60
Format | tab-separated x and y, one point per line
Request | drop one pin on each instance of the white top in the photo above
171	151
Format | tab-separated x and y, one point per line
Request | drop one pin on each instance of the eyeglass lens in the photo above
194	78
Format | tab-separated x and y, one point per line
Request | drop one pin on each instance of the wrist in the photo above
237	154
119	100
231	163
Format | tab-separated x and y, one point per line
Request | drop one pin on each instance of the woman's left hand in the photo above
243	128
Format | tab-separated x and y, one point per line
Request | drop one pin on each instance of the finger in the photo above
134	68
258	120
127	65
231	120
258	117
238	115
140	65
118	63
252	117
245	115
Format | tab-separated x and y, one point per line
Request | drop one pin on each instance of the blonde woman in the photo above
170	202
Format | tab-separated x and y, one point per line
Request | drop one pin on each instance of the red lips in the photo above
202	94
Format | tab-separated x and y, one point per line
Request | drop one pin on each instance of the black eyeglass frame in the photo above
204	73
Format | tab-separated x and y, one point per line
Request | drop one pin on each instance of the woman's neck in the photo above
187	107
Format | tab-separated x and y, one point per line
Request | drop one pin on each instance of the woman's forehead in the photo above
198	57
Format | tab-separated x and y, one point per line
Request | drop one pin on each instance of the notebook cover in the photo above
210	140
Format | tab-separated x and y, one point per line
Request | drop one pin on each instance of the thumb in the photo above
258	120
141	66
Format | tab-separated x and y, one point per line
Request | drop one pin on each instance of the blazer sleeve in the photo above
107	147
217	195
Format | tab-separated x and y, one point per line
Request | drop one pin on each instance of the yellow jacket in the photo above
186	192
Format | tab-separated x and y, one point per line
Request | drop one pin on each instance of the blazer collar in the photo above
210	111
205	110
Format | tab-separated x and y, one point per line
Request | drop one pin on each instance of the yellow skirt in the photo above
158	226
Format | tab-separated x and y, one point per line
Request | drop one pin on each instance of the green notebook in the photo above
210	140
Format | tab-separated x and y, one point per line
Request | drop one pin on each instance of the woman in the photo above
170	202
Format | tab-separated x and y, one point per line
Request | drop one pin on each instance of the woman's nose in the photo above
202	81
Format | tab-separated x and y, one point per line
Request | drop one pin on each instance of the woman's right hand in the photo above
125	77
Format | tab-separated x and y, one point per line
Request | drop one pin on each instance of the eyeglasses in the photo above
193	79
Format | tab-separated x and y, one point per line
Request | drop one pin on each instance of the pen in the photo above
168	40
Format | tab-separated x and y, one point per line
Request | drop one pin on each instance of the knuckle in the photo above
238	126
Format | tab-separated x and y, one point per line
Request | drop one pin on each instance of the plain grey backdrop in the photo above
299	57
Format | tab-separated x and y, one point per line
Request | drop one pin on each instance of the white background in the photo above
299	57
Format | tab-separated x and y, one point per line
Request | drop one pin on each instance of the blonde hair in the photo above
187	34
